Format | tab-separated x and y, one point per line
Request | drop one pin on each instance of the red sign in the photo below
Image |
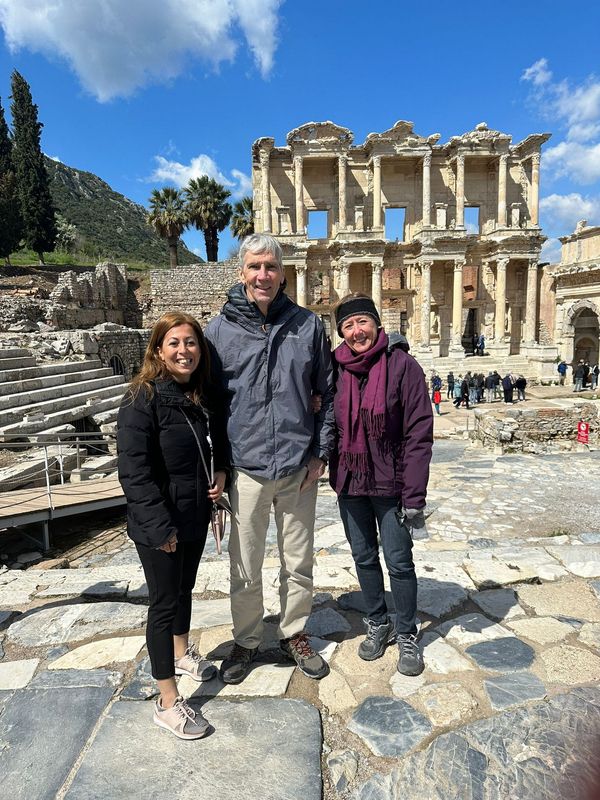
583	432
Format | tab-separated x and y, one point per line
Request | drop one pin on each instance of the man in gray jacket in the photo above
271	356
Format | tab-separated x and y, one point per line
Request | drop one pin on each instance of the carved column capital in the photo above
459	264
535	159
502	263
265	157
343	269
343	159
376	162
427	159
460	160
301	269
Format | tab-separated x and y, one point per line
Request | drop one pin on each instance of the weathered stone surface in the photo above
405	685
335	693
499	604
101	653
528	753
142	686
490	573
389	726
76	678
16	674
470	628
32	716
330	577
441	657
502	655
446	703
210	613
75	622
590	635
570	665
326	621
342	766
280	763
263	680
438	598
544	630
582	560
507	691
4	615
596	587
569	599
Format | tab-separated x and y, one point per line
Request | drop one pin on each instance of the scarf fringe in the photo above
373	422
356	462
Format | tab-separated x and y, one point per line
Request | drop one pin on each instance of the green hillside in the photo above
110	226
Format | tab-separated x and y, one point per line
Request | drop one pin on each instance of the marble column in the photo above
301	284
342	164
534	207
377	192
457	305
499	320
299	188
531	303
266	189
344	279
502	168
460	191
376	269
426	304
427	190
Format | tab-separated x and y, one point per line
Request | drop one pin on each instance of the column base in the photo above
498	349
456	351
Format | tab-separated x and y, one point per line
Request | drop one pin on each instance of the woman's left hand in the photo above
217	490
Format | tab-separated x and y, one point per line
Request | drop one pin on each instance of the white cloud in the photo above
565	210
175	173
581	162
550	251
115	47
537	73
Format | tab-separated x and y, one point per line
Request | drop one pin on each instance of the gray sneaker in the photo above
194	665
298	649
379	635
411	660
181	720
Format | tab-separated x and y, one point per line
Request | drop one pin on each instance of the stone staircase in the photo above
50	401
518	365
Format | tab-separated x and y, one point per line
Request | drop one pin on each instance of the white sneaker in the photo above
181	720
192	664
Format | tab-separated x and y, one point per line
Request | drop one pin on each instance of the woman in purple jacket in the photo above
380	471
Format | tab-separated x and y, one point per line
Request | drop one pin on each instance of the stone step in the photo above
16	362
59	379
47	368
95	405
13	402
14	352
30	470
50	407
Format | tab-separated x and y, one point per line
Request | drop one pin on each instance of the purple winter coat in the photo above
403	470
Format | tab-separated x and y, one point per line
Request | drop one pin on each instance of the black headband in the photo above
353	306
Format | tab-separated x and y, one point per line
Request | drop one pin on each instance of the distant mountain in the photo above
111	226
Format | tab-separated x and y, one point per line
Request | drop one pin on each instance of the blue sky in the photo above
152	92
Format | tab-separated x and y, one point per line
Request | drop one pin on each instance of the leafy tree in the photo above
66	234
168	217
10	219
242	219
35	200
208	211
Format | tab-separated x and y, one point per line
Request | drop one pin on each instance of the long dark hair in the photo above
153	368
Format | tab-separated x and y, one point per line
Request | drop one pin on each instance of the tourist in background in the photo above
508	385
520	384
380	471
163	430
450	384
457	392
579	376
437	399
497	386
490	386
562	371
594	375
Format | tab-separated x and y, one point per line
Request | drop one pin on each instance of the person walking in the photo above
169	428
450	385
272	356
457	392
380	471
562	371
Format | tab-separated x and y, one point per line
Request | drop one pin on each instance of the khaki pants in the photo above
251	501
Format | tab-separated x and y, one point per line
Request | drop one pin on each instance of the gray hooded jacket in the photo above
269	368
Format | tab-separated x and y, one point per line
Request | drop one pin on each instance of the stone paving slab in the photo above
42	736
98	654
389	726
17	674
265	748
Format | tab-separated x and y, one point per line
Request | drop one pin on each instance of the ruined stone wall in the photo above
90	298
535	430
200	289
127	345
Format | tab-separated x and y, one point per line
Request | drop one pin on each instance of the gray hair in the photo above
261	243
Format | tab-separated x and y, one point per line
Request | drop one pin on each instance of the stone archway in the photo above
581	331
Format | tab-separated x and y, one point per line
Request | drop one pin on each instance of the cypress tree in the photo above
10	218
35	200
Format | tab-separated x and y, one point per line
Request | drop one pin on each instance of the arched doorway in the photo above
586	336
117	366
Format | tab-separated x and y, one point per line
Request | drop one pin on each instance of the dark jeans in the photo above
170	578
361	517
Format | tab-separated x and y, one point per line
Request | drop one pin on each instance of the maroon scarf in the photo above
363	417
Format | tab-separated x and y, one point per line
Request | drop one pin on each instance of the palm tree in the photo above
168	217
208	211
242	219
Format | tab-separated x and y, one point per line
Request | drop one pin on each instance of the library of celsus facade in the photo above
444	236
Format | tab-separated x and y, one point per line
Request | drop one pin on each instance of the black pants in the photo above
170	578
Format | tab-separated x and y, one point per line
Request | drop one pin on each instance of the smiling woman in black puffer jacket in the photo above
164	420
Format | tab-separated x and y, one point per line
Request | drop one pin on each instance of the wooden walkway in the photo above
26	506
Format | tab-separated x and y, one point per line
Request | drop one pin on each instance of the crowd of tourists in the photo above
584	376
474	387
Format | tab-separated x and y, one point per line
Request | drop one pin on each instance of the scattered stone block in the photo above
342	766
582	560
543	630
389	726
17	674
101	653
508	691
447	703
570	665
440	657
335	693
502	655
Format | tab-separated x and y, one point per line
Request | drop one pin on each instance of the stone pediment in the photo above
322	134
482	136
401	134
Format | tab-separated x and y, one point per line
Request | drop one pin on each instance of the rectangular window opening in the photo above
394	224
403	322
318	227
472	219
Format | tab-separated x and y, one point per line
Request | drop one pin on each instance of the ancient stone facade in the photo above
461	258
91	298
576	294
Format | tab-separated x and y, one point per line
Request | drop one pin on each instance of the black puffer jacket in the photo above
160	468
